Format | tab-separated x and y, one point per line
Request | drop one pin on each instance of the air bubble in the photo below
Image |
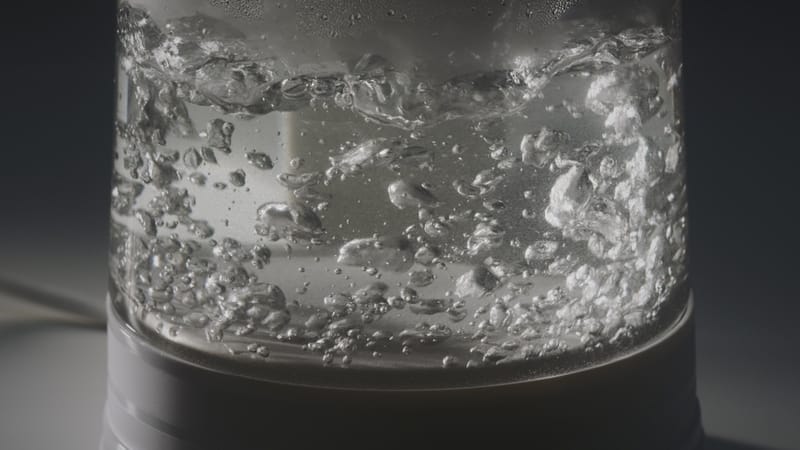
421	278
404	195
260	160
237	178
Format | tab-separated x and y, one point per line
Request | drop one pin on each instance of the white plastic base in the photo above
642	401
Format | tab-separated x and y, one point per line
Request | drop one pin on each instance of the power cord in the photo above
77	312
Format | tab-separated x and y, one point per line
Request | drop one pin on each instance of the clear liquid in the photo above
374	217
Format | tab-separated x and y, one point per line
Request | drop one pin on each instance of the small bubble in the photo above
541	250
260	160
197	179
396	302
408	295
192	158
539	149
499	152
449	361
421	278
403	195
494	205
219	133
426	255
237	178
297	163
147	222
388	253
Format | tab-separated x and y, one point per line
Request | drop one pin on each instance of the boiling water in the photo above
368	215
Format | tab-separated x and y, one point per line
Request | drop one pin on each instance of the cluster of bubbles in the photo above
614	212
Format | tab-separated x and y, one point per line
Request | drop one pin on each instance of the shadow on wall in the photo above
714	443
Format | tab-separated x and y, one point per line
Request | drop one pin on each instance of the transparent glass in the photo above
301	186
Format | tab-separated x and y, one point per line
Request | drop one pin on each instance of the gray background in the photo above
741	82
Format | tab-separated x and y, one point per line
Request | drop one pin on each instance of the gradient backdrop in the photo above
56	85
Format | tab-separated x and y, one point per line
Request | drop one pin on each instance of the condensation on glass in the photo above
399	184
